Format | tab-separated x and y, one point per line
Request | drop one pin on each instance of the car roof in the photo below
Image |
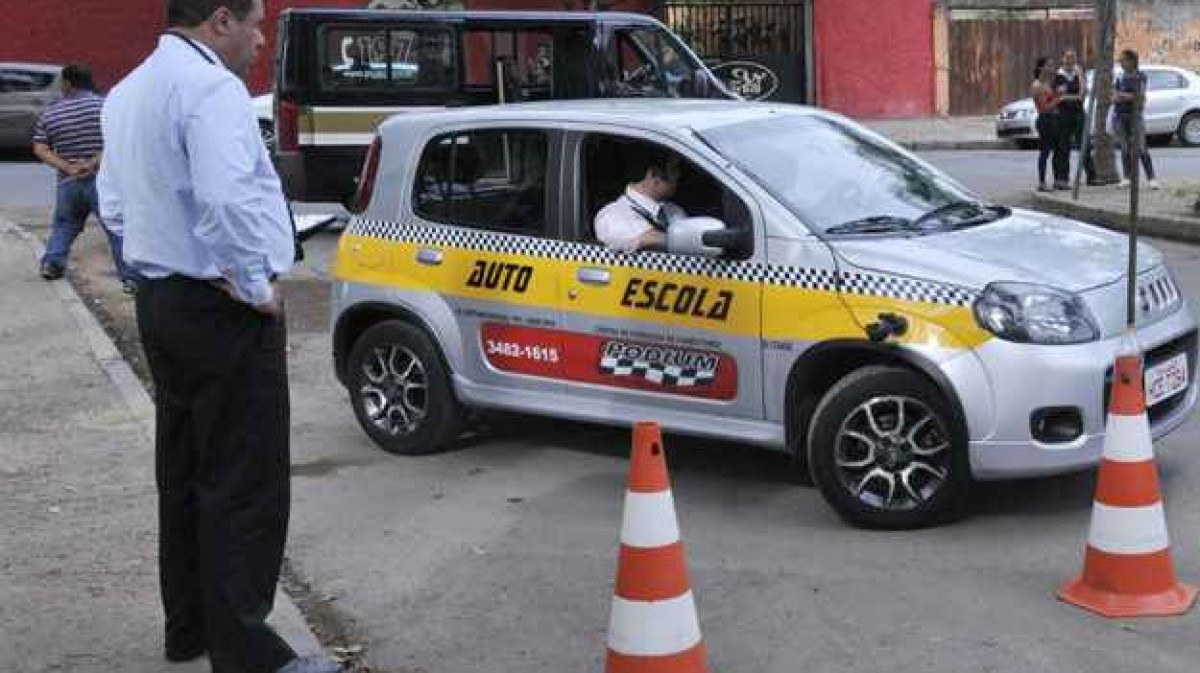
666	115
481	15
35	67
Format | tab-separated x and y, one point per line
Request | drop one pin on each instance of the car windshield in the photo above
841	180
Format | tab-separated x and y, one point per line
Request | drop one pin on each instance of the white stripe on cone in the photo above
1128	530
653	628
649	520
1127	439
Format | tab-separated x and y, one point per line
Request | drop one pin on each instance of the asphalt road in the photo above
499	556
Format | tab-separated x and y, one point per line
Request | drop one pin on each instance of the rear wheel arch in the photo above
354	322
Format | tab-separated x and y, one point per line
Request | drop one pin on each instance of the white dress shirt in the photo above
186	176
619	224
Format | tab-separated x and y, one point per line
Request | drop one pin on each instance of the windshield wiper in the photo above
876	224
982	213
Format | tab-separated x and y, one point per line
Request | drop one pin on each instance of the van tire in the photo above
905	417
400	390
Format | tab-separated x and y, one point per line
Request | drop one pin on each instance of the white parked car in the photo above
1172	109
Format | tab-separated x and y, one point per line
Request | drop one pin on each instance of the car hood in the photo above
1023	104
1026	247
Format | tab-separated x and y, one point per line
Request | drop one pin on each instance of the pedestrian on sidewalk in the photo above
1069	84
1129	121
1046	100
207	225
67	138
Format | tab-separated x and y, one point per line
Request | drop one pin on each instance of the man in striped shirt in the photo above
67	137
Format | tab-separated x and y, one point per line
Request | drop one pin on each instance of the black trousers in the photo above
1070	134
222	461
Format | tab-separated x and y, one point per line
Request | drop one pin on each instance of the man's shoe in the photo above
51	271
311	664
1123	184
1154	184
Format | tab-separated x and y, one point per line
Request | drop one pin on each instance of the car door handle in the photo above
593	276
429	256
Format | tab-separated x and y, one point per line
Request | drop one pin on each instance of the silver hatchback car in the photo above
829	295
1172	108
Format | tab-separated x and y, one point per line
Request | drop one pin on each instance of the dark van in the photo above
339	73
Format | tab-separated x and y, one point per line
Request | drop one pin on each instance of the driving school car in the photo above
830	295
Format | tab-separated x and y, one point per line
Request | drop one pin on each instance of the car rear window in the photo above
389	58
492	179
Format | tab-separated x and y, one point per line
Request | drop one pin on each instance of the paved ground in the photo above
942	133
78	566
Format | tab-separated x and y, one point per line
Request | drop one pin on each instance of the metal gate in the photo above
992	52
759	49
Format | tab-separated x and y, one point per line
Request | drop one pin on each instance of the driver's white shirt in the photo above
618	225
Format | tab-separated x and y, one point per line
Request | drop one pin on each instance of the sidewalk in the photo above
942	133
1165	213
78	566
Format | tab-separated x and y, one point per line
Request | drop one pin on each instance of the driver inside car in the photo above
639	218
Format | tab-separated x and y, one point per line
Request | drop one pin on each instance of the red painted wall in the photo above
874	58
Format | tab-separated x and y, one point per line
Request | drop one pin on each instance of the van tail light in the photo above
366	178
287	125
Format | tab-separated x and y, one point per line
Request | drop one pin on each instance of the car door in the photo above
487	196
658	331
1166	100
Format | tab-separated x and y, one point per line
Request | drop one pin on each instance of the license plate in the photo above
1166	379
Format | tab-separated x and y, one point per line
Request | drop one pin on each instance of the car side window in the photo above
1164	80
24	81
491	179
610	163
649	64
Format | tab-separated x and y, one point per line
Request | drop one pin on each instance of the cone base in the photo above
692	660
1174	601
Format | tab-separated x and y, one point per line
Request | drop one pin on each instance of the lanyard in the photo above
191	43
641	210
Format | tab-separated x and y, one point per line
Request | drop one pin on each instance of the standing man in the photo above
1069	85
206	224
67	138
1129	122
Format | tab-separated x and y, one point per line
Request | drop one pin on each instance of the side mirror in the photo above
702	236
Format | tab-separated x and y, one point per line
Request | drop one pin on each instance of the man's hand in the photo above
272	308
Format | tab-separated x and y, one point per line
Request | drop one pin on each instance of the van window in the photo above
387	59
650	64
526	58
493	179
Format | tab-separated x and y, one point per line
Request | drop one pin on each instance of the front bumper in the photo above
1025	378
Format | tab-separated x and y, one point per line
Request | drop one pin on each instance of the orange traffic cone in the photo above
1127	568
653	627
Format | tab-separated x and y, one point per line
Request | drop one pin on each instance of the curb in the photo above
1182	229
286	617
934	145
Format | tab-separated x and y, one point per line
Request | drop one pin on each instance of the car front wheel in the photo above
885	452
400	390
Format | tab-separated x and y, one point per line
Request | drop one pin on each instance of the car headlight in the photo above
1038	314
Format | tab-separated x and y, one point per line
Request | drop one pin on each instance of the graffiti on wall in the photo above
1162	32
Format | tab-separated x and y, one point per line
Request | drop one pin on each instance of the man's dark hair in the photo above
79	76
192	13
1132	56
1041	65
656	161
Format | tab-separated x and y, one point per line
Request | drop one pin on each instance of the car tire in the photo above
400	390
886	451
1189	130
